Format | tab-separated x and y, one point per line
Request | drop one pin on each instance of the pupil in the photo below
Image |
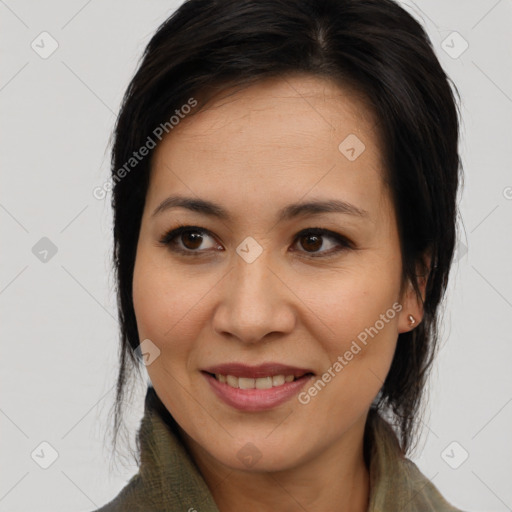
316	245
195	237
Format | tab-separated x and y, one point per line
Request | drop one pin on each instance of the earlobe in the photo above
412	311
413	305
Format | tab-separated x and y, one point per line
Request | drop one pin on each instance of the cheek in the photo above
352	301
159	299
169	305
361	311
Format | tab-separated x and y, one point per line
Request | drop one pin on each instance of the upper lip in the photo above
254	372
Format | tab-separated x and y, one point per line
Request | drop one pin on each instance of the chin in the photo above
259	456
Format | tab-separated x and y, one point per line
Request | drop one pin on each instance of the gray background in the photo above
59	329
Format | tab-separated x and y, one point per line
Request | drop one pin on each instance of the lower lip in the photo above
256	399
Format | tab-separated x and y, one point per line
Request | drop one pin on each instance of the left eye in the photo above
312	239
188	240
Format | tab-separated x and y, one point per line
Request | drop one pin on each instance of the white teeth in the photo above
264	383
278	380
245	383
232	381
259	383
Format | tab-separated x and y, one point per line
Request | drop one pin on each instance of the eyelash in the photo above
168	240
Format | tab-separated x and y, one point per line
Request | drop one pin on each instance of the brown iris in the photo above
317	242
193	237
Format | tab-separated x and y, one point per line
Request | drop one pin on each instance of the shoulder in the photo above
426	496
396	482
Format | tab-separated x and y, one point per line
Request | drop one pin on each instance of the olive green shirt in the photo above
168	480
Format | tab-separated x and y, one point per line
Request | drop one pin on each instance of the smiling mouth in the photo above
253	388
267	382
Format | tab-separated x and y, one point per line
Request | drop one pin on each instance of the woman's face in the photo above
246	294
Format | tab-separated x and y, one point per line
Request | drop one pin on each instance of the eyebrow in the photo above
288	212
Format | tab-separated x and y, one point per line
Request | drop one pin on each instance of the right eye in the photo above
187	240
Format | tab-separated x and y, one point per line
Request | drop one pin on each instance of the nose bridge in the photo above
254	301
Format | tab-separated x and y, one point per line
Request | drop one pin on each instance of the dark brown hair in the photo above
373	46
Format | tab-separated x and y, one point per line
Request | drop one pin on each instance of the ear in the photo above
411	304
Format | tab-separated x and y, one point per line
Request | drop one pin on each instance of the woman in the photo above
285	180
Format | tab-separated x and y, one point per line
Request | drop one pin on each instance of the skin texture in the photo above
253	152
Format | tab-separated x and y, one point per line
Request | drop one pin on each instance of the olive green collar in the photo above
168	479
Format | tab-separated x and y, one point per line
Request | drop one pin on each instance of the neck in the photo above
333	481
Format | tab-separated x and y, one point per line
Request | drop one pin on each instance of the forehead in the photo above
325	110
281	136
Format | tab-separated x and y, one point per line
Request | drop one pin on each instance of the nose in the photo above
255	302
